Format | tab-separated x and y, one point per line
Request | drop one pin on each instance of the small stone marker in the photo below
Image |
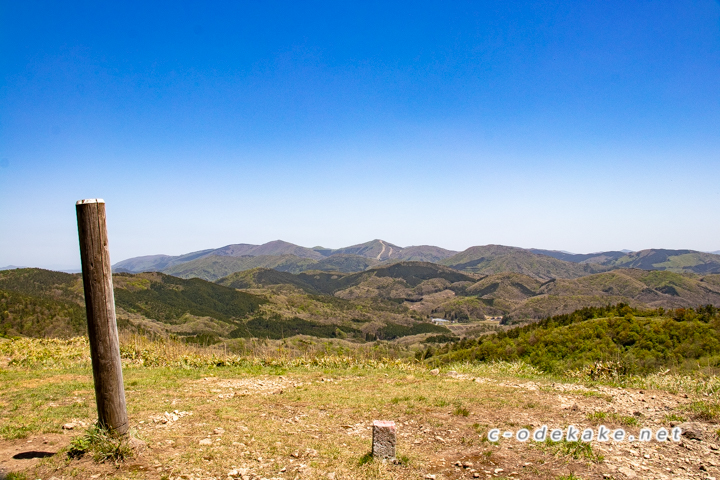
383	440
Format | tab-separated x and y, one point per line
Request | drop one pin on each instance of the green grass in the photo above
704	410
320	403
365	459
102	445
627	420
396	400
599	417
593	393
596	416
52	401
15	476
672	417
576	449
461	411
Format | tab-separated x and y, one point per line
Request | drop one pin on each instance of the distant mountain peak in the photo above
378	249
288	257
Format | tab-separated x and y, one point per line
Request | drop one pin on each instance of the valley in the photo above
401	298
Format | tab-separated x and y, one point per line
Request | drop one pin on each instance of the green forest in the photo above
634	340
630	337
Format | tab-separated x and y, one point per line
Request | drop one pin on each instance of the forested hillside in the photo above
432	290
387	302
42	303
623	339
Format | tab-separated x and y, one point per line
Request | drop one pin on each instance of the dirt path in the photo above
381	251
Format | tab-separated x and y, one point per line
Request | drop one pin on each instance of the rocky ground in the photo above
313	423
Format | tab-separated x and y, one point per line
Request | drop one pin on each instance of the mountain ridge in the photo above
212	264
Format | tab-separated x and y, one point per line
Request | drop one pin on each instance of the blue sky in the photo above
580	126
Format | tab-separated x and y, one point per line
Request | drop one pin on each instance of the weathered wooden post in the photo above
100	308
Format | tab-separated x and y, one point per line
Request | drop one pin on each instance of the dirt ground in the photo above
317	424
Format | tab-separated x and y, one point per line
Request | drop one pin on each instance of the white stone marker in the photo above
383	440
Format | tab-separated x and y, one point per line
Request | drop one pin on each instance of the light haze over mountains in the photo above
212	264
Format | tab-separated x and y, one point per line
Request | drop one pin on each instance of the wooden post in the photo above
100	308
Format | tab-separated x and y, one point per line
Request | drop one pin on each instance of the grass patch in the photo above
102	445
577	450
396	400
627	420
461	411
599	417
12	432
16	476
594	394
674	418
596	416
367	458
393	330
705	411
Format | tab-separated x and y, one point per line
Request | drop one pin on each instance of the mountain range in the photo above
213	264
433	290
387	301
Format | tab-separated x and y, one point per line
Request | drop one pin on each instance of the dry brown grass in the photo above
297	416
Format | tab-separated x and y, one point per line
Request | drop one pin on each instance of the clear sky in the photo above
579	126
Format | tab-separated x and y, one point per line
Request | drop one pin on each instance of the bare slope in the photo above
637	287
424	253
